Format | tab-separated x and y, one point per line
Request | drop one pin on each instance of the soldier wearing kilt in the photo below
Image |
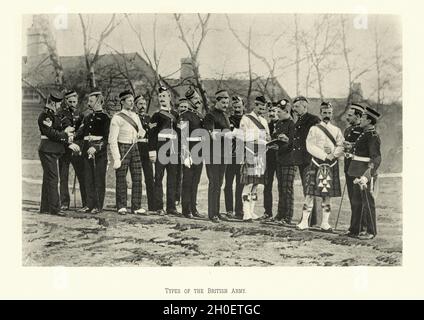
125	131
143	148
366	158
325	144
283	135
68	118
255	134
301	156
52	147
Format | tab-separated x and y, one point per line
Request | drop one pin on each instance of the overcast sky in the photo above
272	36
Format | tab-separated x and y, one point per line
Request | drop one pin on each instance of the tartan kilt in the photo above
253	173
323	180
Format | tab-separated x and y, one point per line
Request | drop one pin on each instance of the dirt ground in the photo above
108	239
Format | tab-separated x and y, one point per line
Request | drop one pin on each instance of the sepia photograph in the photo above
212	139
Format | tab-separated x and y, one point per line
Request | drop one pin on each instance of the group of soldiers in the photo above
181	140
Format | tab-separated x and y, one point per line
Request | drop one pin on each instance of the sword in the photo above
73	189
340	207
129	149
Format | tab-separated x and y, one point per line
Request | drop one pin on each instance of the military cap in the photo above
221	94
357	107
138	98
125	94
70	94
260	99
236	99
182	99
189	93
372	113
326	104
300	98
95	92
162	89
282	103
55	96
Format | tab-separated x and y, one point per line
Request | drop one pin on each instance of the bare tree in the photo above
297	60
91	58
320	44
194	49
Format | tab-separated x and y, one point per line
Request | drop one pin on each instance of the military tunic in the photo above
190	176
270	171
163	131
366	156
94	132
215	166
351	134
233	171
51	148
68	118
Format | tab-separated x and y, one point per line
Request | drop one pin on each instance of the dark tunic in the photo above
351	134
217	120
301	156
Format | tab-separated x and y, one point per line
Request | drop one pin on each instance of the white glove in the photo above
188	162
48	122
152	156
116	164
74	147
283	137
69	129
91	151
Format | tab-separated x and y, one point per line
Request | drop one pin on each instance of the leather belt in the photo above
44	137
167	136
143	140
93	138
362	159
194	139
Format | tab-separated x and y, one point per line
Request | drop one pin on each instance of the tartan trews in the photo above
133	162
285	178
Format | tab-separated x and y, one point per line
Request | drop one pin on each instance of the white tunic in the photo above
121	131
317	140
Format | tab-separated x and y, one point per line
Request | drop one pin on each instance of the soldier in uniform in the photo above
233	170
366	158
283	134
143	148
68	118
125	131
351	134
163	132
54	140
271	164
325	144
255	135
181	108
94	134
190	120
218	124
301	156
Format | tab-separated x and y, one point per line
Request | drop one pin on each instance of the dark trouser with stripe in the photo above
148	174
363	212
215	174
49	191
95	180
178	181
78	165
133	162
285	178
233	171
191	179
349	186
171	175
270	171
313	217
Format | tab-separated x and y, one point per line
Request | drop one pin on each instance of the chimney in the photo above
35	45
186	68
